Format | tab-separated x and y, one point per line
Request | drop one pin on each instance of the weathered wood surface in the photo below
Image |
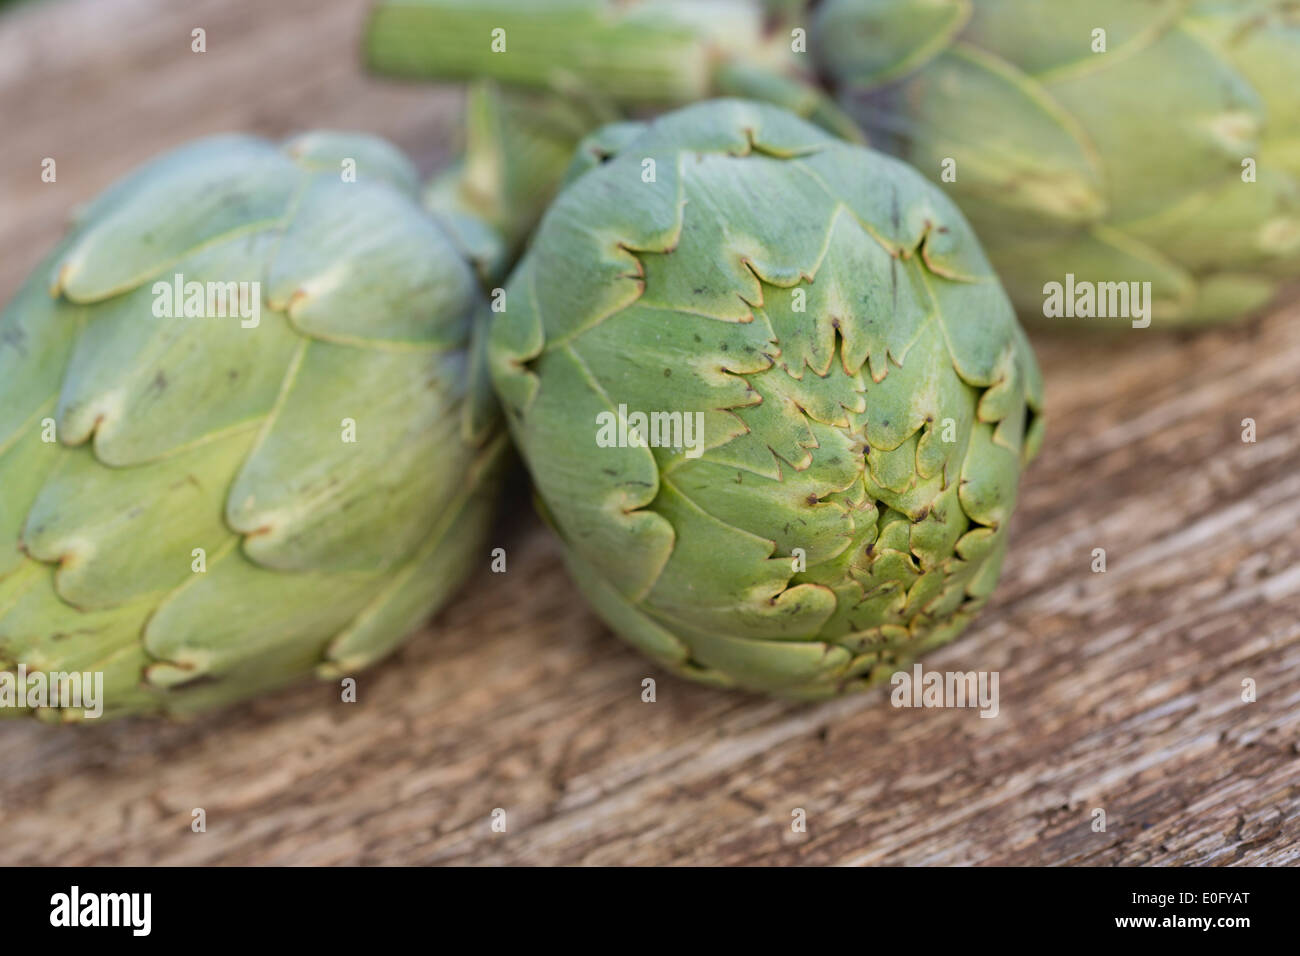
1119	691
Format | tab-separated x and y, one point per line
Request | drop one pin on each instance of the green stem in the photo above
634	56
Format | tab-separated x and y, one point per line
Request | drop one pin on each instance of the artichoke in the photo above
609	54
1112	141
241	437
773	399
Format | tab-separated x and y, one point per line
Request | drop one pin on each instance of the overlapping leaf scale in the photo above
1042	38
875	44
597	495
37	332
362	263
123	534
376	160
1209	120
43	632
172	207
146	385
1022	160
307	499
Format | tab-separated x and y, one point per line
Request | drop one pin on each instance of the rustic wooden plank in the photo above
1119	691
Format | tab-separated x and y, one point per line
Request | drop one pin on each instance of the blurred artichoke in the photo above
240	435
609	54
1112	140
772	396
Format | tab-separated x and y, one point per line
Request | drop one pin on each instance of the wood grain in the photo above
1119	691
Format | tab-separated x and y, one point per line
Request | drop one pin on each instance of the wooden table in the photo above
1120	691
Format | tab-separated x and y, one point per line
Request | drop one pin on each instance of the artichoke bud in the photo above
611	54
773	399
1098	143
233	439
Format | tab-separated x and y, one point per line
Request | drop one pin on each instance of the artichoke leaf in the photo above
205	192
118	535
606	486
147	377
37	333
747	587
374	159
338	482
359	263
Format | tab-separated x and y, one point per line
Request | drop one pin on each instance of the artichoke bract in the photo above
772	397
1110	141
241	437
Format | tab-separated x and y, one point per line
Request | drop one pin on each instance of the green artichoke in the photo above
241	437
773	399
1112	141
609	54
